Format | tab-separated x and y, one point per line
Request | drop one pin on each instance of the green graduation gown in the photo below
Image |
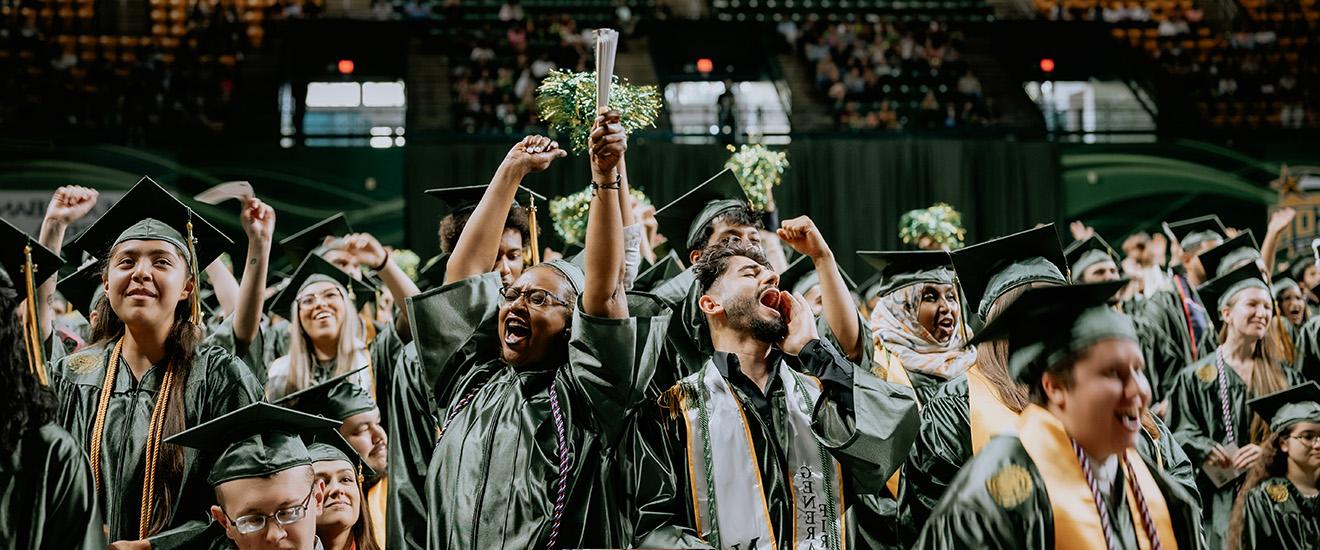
999	500
407	403
1276	516
944	445
1197	419
47	499
216	383
1307	354
869	441
491	482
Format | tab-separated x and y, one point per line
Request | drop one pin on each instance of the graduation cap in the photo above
1216	293
1281	284
665	268
328	444
148	212
258	440
989	269
315	269
298	245
800	276
686	217
432	274
897	269
337	398
19	251
1191	233
871	287
1297	266
24	266
1223	258
84	288
457	200
1047	324
1282	409
1087	252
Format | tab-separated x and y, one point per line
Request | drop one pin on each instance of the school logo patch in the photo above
1207	373
84	362
1010	486
1277	492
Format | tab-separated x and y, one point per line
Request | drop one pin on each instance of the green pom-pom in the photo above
567	102
759	171
407	260
568	214
939	222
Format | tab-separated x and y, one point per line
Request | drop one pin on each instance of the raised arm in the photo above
604	295
1279	220
371	253
479	244
68	205
225	286
801	234
258	221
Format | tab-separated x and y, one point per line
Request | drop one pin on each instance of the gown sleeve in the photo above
611	362
942	446
412	429
867	423
1189	413
454	326
72	519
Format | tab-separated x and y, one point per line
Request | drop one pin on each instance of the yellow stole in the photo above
988	416
1076	522
376	502
888	367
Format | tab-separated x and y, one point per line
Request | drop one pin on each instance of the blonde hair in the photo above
992	355
1266	374
301	358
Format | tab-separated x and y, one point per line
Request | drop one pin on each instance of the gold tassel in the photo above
193	300
36	356
536	245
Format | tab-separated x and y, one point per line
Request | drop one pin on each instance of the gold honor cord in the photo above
193	301
155	432
534	233
35	353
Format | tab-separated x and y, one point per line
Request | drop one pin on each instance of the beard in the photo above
744	315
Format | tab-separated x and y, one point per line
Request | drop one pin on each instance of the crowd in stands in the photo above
181	77
892	75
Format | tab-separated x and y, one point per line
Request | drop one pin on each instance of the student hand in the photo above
534	154
366	249
801	234
608	144
1247	456
801	323
70	203
258	220
1281	219
1219	457
130	545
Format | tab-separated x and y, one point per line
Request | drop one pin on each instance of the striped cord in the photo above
703	418
1223	397
1147	521
1095	495
458	407
565	460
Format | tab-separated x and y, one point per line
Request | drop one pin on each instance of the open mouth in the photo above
516	331
945	323
770	298
1130	419
324	315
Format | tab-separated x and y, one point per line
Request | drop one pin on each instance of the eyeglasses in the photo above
1308	438
309	300
535	296
253	523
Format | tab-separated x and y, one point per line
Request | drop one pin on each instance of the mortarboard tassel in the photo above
36	357
536	245
193	301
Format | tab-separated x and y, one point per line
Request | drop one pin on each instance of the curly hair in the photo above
451	226
25	405
741	216
715	259
1273	463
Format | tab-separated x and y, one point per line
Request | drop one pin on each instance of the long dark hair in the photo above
180	350
24	404
364	529
1273	463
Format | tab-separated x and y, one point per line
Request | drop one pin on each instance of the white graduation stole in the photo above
727	494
